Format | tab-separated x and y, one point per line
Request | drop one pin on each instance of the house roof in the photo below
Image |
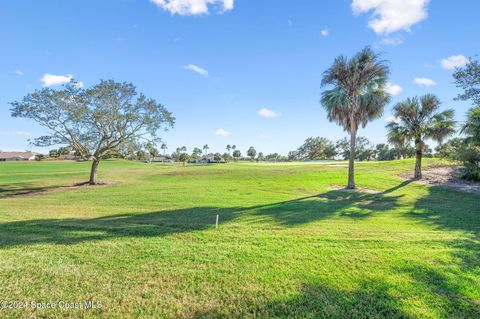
17	154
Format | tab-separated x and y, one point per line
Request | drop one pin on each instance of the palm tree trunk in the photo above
418	159
351	161
93	172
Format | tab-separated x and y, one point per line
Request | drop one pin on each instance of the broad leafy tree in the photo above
97	121
315	148
237	154
356	96
468	79
417	120
251	153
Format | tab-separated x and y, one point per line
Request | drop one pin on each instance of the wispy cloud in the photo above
18	72
193	7
454	61
424	82
393	89
222	132
392	15
19	133
197	69
267	113
393	41
324	33
52	79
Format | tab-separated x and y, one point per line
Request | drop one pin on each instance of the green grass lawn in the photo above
289	245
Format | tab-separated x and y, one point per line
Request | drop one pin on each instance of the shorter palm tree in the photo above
418	119
472	127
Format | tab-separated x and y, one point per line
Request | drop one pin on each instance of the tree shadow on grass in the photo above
344	204
24	190
73	230
448	209
371	300
449	289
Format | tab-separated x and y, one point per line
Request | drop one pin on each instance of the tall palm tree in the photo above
419	119
357	95
164	148
205	149
229	147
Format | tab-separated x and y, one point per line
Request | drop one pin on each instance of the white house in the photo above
16	156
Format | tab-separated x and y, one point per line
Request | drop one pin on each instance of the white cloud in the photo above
454	61
393	89
392	119
51	79
222	132
20	133
268	113
424	82
197	69
324	33
290	22
18	72
392	15
393	41
193	7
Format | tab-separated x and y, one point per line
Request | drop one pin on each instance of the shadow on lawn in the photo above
73	230
24	189
342	203
446	209
451	210
371	300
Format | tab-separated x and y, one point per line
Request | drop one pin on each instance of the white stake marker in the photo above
216	223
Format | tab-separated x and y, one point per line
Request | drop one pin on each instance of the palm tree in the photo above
205	149
472	127
443	126
357	96
396	137
418	120
164	148
229	147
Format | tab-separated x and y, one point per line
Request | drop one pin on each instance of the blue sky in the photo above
241	72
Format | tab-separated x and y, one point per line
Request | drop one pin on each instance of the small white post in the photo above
216	223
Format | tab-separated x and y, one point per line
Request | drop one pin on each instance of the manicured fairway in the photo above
289	245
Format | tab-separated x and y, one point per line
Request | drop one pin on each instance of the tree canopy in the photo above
97	121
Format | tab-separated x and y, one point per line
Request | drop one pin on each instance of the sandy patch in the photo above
445	176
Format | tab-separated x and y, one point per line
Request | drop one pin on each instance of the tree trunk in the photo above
351	161
418	159
93	172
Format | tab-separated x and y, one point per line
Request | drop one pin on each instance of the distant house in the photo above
16	156
161	158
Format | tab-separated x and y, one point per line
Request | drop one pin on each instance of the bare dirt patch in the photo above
445	176
357	190
48	190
